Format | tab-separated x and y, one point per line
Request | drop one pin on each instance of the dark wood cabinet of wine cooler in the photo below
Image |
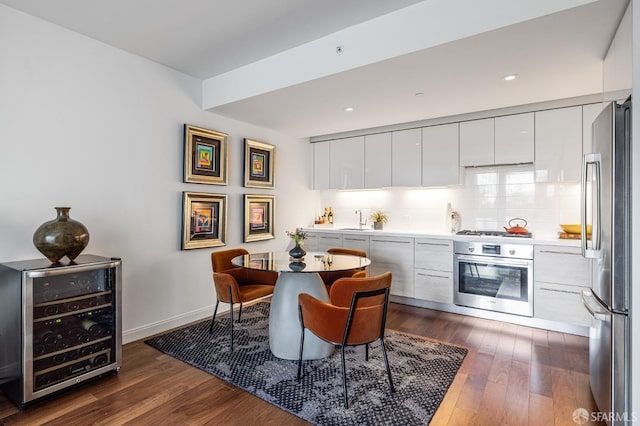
60	325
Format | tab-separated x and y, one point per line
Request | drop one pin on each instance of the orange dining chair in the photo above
356	315
329	277
237	285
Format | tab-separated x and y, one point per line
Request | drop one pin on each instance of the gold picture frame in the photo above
259	215
205	156
259	164
204	220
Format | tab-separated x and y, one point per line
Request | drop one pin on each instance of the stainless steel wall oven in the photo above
494	276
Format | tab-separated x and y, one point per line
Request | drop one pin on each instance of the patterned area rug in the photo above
422	371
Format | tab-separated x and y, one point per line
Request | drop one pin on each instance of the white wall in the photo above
89	126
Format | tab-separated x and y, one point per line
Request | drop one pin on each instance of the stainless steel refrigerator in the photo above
606	207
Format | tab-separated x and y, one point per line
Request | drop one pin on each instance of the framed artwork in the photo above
205	156
259	164
258	217
204	220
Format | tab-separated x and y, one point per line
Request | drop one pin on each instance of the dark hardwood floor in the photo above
513	375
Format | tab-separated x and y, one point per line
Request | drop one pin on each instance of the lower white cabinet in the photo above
560	276
434	286
559	302
433	274
393	254
326	241
357	242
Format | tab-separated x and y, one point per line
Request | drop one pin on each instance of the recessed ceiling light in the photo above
348	109
510	77
418	94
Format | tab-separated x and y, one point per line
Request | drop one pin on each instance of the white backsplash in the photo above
489	197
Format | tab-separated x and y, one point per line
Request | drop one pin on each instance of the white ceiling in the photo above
557	56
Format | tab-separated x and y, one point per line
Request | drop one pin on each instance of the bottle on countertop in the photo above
325	216
330	216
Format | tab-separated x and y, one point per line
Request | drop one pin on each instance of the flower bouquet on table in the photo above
298	236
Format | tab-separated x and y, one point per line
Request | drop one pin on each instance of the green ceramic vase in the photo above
61	237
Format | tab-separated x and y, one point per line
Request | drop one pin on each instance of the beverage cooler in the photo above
60	325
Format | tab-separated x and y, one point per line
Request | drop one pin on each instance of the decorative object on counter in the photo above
205	156
259	212
573	231
379	219
330	216
298	236
259	164
61	237
204	220
517	229
453	219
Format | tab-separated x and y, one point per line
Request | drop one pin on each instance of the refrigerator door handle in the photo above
594	307
590	161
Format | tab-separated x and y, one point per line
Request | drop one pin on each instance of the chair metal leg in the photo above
213	320
366	352
231	316
301	344
240	313
344	378
386	363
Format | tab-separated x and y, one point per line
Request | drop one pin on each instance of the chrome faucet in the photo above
360	222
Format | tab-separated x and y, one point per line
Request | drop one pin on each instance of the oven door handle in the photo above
492	260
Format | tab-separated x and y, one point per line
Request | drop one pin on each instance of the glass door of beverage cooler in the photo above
72	318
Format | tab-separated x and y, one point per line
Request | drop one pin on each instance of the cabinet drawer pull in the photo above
560	291
330	238
432	275
388	241
559	252
433	244
354	239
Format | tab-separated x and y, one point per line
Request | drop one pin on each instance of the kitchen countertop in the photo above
543	240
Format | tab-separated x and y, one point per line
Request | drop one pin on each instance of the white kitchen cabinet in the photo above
514	139
440	155
321	160
355	241
393	254
477	142
589	113
558	148
377	160
311	242
347	163
617	68
560	276
325	241
406	154
433	274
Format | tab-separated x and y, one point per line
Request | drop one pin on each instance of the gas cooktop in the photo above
476	233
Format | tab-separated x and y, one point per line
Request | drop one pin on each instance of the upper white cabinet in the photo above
377	160
321	161
347	163
514	139
476	142
501	140
406	154
558	144
440	148
589	113
617	68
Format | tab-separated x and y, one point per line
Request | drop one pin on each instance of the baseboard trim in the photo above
147	330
